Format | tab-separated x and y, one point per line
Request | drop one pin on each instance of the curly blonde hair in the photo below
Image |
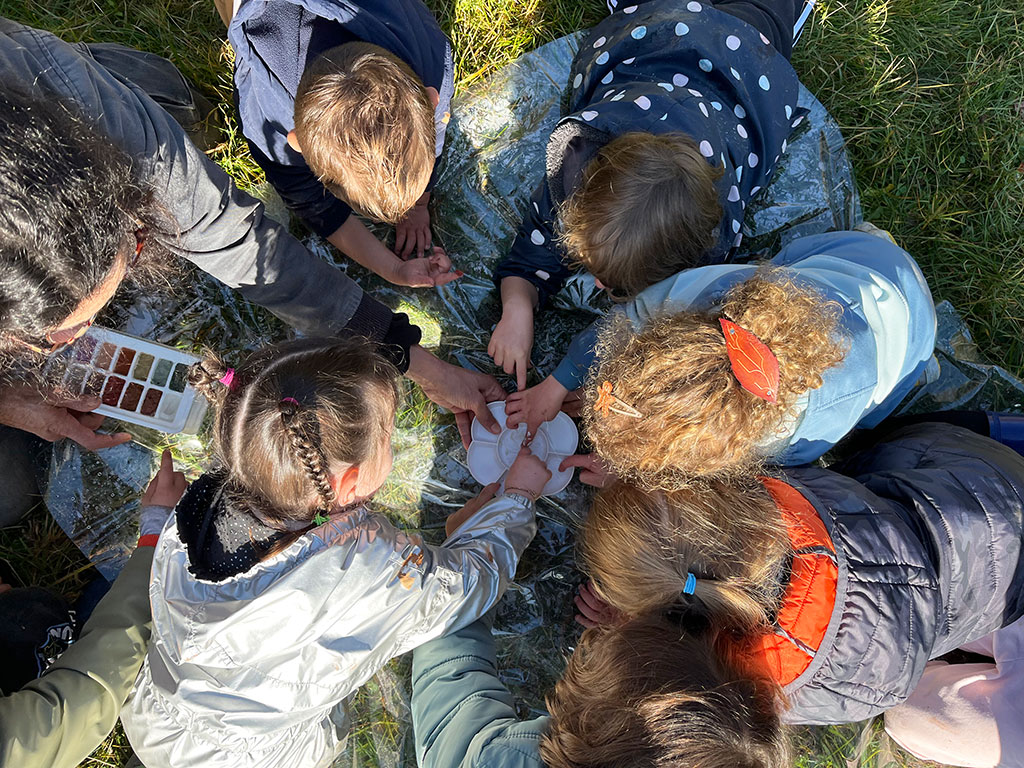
697	421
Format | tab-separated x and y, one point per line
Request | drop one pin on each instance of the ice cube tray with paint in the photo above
138	381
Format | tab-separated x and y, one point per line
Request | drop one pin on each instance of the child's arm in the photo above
459	581
462	714
332	219
357	242
532	272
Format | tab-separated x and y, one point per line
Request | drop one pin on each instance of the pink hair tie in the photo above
227	378
291	400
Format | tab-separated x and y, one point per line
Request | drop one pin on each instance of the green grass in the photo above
929	95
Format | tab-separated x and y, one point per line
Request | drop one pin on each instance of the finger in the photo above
489	492
593	479
167	463
509	366
578	460
595	603
93	441
485	417
421	243
84	404
401	237
521	374
89	420
446	278
464	422
440	260
586	623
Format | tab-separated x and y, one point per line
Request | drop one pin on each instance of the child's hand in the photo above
167	486
595	612
528	475
412	234
456	519
593	471
425	273
573	404
535	406
512	341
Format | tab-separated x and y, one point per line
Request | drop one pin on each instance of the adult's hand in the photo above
593	470
53	418
464	392
456	519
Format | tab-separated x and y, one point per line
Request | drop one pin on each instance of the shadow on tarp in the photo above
493	160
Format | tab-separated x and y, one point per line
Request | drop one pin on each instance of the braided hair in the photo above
291	410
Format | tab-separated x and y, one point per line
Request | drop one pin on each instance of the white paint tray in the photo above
139	381
490	456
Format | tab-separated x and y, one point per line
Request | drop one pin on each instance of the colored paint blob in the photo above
163	370
143	367
124	361
95	384
150	402
179	377
112	392
131	398
105	356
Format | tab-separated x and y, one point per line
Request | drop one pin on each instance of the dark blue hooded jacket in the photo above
664	66
274	40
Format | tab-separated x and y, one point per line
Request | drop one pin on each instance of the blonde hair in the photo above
366	127
647	208
697	421
640	546
649	695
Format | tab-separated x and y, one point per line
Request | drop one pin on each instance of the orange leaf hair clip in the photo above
754	365
606	401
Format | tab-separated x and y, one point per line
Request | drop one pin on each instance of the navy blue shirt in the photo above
660	67
275	40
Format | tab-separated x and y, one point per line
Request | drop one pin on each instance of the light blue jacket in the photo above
888	318
462	714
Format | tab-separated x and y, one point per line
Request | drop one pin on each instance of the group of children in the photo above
735	585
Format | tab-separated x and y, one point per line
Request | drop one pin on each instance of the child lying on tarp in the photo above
678	113
276	593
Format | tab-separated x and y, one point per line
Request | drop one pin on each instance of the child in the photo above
903	553
846	317
857	577
678	113
345	105
276	593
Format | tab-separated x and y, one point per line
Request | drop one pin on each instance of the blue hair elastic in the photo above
690	585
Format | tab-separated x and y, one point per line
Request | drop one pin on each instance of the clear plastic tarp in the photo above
493	160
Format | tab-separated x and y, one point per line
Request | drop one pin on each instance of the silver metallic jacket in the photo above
253	670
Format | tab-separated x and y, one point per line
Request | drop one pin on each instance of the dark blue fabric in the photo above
274	40
927	526
669	66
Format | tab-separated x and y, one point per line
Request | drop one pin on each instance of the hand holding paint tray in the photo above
490	456
138	381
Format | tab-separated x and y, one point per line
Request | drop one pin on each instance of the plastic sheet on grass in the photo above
494	157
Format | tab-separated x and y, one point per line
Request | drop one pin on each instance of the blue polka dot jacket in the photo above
664	66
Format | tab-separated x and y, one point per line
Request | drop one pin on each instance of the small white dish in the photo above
490	456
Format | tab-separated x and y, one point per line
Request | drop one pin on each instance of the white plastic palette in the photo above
490	456
138	381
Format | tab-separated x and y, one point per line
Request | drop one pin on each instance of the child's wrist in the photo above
524	492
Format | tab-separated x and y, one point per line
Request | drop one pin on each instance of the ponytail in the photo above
713	549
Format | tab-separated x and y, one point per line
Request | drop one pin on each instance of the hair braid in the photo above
304	434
